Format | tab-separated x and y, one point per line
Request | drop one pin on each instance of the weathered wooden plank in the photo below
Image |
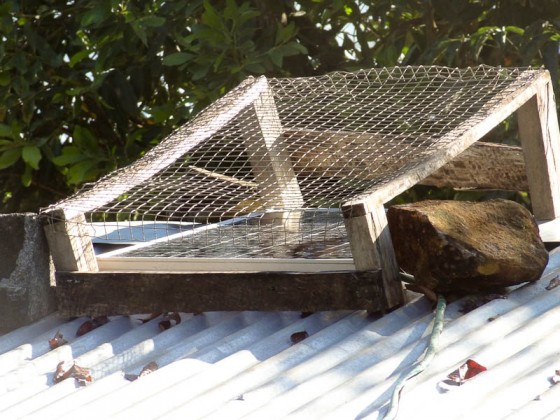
540	138
482	165
271	165
112	293
372	248
270	162
342	154
69	242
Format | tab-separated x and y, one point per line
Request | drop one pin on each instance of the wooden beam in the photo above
107	293
270	162
482	165
269	159
372	248
540	138
69	242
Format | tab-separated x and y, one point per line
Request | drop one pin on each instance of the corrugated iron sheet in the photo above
225	365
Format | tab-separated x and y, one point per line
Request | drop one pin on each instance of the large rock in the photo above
466	247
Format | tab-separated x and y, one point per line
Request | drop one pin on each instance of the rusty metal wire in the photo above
264	170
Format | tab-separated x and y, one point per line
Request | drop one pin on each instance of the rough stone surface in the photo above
467	247
26	271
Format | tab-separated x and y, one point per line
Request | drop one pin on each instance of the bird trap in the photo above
272	197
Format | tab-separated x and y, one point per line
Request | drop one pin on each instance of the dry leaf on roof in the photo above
459	376
169	320
149	318
555	282
91	324
57	341
146	370
298	336
82	375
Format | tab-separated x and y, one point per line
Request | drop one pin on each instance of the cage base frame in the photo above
128	293
91	292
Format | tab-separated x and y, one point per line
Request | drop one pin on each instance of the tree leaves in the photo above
9	157
31	155
178	58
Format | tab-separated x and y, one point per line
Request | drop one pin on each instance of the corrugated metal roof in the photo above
224	365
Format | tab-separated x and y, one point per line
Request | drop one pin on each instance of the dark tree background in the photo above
87	86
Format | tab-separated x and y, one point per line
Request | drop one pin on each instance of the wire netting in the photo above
263	171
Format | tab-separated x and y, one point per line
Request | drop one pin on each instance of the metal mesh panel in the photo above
263	171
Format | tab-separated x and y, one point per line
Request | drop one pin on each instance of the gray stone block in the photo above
26	271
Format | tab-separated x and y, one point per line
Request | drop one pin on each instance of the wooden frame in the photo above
80	289
64	225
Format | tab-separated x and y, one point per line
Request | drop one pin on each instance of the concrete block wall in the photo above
26	271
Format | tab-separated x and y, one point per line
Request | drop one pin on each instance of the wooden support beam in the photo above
482	165
540	138
271	165
270	161
372	248
122	293
69	242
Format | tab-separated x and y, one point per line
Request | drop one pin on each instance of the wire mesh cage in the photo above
265	171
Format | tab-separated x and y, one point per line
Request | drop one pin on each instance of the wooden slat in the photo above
107	293
271	165
483	166
372	248
540	138
270	162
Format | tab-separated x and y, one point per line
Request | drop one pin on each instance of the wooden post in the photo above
540	138
371	245
271	164
69	240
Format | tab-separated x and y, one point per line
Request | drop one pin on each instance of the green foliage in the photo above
87	86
